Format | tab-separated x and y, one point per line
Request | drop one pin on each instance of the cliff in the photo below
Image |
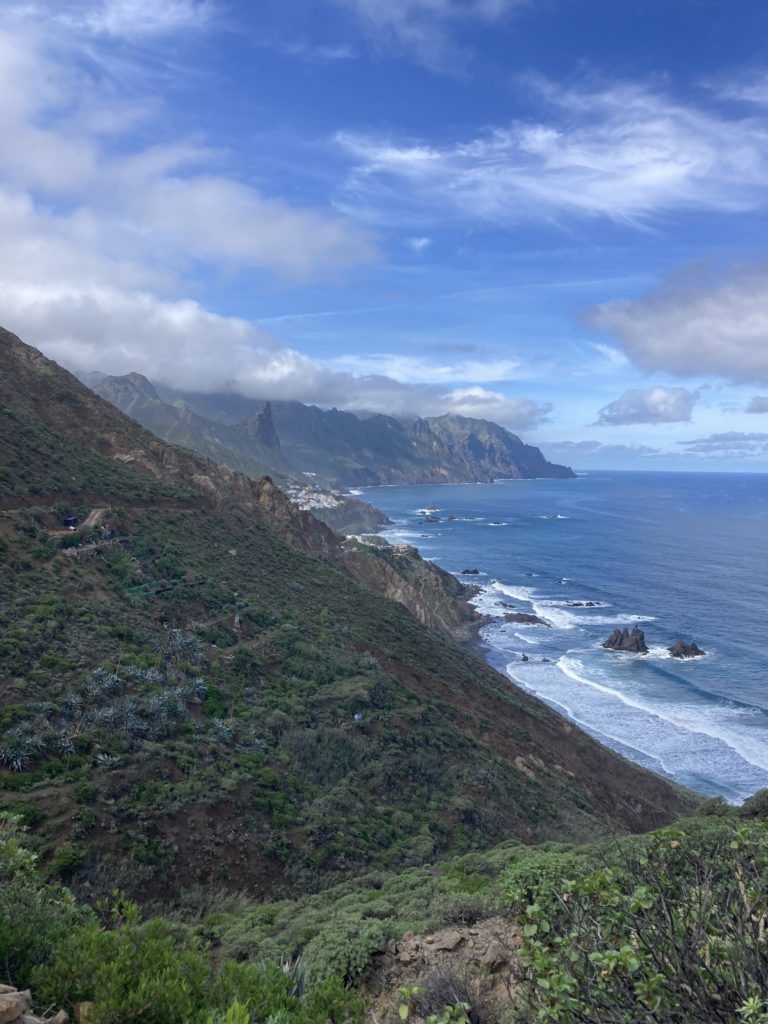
336	448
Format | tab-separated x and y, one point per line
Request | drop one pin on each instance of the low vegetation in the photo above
667	927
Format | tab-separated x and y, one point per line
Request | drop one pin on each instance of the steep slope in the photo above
485	447
251	447
194	689
375	449
337	448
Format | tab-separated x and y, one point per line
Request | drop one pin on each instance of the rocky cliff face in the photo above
337	448
434	597
251	447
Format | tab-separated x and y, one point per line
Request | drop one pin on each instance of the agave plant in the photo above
64	743
16	751
104	760
296	970
42	708
73	704
197	687
223	730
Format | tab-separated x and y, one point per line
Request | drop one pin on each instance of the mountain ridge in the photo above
335	447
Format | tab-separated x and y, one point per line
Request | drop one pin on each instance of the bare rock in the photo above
680	649
13	1005
449	941
525	617
623	640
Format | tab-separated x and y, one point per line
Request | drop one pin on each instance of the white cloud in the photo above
182	345
159	205
119	19
621	151
697	323
408	369
753	89
215	219
758	404
423	28
517	413
100	239
650	405
731	445
419	245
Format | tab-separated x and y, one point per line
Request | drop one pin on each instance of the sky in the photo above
548	213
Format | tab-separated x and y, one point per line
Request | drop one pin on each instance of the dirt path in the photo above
93	518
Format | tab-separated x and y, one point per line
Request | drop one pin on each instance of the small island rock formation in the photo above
680	649
623	640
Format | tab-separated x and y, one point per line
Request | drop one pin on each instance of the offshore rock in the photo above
681	649
623	640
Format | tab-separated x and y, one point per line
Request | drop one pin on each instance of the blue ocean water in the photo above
683	555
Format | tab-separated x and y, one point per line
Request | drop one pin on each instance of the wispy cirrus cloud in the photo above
424	29
416	368
620	151
119	19
649	405
699	322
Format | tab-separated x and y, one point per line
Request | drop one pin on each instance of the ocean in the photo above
684	556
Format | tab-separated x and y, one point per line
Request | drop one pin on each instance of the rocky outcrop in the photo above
16	1008
350	517
470	572
478	964
433	596
527	618
251	446
623	640
681	649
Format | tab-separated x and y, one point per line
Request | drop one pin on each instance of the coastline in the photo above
590	560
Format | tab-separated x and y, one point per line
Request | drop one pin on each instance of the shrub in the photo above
34	916
344	948
671	928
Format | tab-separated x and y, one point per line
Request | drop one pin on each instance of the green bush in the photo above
34	916
671	928
344	948
150	972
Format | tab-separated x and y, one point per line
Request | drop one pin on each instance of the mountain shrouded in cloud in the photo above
97	239
417	201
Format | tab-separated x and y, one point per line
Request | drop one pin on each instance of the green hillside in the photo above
195	687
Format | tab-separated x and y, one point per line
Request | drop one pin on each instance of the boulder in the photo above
470	572
680	649
13	1005
525	617
16	1008
623	640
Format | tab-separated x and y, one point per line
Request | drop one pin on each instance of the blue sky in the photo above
551	213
